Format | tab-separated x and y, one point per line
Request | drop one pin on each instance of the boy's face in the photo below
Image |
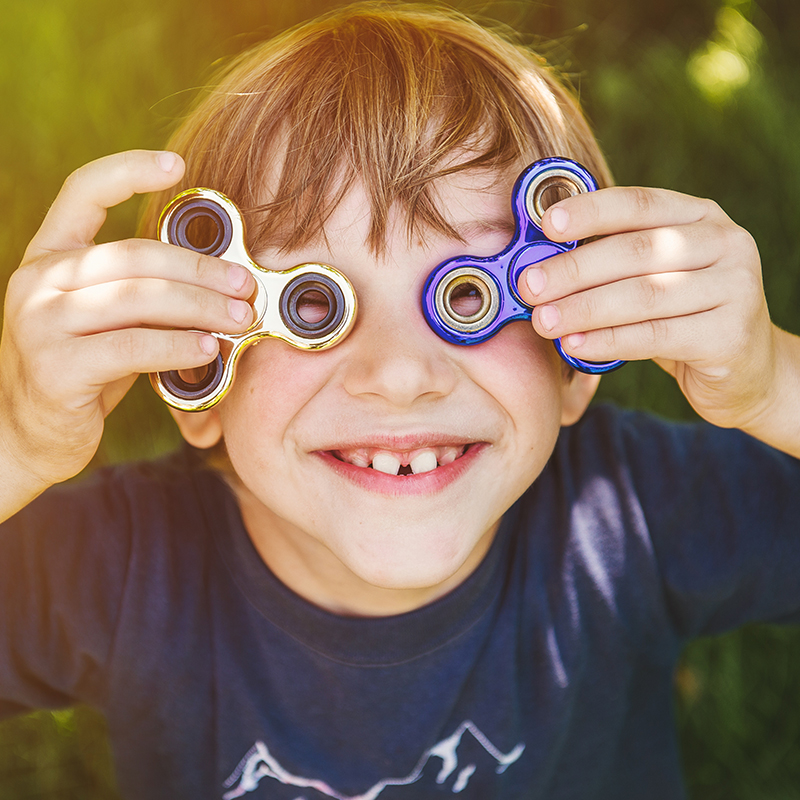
302	428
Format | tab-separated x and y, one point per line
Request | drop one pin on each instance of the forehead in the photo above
472	202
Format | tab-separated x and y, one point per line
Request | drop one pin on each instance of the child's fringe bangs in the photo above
390	96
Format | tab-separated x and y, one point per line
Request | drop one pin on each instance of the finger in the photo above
684	339
79	211
645	252
633	300
115	355
146	258
149	302
623	208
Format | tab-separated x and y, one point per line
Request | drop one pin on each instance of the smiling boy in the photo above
414	568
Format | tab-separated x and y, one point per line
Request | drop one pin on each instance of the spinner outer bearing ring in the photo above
190	207
329	289
557	175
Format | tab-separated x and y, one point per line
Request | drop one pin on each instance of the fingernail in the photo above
208	344
574	340
559	219
549	317
167	160
237	275
535	279
239	310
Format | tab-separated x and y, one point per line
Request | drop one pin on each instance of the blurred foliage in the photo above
57	755
739	715
700	96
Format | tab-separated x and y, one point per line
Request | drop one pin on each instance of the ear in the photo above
577	391
201	429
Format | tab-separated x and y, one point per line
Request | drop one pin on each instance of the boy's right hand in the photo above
83	320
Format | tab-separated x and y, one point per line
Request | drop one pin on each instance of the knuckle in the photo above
712	209
592	210
609	339
73	181
17	287
184	348
180	347
125	249
206	302
176	347
128	292
571	267
751	284
128	159
586	214
199	269
126	344
24	323
172	347
651	292
641	200
742	242
214	306
25	298
639	246
653	331
586	308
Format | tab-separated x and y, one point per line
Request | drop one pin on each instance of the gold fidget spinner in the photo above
310	306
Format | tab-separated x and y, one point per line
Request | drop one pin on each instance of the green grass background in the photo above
701	96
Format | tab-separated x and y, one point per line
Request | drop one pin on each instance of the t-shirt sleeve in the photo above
722	511
62	572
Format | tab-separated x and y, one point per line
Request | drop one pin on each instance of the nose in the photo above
396	358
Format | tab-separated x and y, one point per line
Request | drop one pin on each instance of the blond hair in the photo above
391	95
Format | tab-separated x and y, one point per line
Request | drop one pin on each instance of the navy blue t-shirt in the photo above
546	674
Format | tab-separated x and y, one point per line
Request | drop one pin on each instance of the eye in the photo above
313	306
466	300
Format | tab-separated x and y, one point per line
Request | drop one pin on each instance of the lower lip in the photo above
404	485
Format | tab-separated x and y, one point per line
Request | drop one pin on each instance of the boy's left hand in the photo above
672	279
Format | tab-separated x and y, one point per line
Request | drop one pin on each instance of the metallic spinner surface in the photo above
468	299
208	222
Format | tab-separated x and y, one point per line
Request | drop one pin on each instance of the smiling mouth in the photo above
401	463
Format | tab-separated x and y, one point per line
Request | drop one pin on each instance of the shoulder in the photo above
654	526
135	486
617	433
662	461
119	509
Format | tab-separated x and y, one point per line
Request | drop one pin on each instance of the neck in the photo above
313	571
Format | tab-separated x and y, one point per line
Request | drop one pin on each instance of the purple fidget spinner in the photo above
467	299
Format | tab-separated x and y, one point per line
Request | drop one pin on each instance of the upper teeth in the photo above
388	462
425	461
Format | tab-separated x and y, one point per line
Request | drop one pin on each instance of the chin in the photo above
410	560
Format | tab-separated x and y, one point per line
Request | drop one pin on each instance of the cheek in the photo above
523	374
521	370
273	383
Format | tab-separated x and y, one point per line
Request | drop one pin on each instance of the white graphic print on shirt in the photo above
259	763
